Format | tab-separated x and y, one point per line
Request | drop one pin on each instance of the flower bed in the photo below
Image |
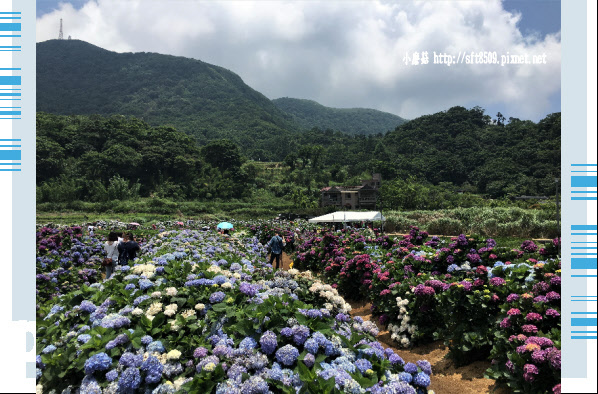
199	313
457	291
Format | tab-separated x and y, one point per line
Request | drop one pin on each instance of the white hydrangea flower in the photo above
226	285
200	307
137	312
215	269
188	313
173	354
154	309
178	383
171	291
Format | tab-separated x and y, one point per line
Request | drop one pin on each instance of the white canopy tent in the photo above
347	217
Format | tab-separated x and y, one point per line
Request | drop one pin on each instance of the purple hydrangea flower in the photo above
268	342
425	366
200	352
309	360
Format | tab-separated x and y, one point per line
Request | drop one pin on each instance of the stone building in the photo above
353	197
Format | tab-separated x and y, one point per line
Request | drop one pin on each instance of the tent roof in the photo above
348	216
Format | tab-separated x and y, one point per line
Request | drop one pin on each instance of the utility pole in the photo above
60	35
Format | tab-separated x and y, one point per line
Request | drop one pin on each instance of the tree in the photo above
222	154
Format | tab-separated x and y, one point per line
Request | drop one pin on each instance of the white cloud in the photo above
344	54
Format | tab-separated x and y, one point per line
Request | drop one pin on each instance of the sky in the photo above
344	54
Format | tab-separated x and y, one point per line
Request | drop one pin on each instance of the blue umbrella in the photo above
225	225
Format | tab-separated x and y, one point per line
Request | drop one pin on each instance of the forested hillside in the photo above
203	100
423	162
309	114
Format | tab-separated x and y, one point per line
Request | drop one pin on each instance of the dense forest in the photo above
309	114
423	162
128	125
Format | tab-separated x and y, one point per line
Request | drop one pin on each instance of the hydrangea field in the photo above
198	312
483	301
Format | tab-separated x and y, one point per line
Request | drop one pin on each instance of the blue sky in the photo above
341	54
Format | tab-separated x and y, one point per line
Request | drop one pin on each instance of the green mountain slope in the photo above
203	100
309	114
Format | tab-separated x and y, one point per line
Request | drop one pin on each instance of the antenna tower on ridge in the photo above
60	35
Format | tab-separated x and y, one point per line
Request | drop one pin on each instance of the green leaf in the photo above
158	321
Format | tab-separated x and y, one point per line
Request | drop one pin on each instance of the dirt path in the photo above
446	378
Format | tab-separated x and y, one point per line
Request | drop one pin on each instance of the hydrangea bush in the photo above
202	313
456	291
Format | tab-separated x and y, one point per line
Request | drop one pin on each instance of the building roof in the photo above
349	216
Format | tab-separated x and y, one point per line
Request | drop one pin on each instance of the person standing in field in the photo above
127	250
276	244
111	248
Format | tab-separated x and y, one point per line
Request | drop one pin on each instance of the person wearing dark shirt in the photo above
127	249
276	244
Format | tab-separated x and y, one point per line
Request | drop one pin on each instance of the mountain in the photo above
200	99
309	114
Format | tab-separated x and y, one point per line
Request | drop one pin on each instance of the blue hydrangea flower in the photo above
286	332
129	359
363	365
83	338
255	385
156	346
425	366
248	344
164	389
145	284
49	349
396	359
129	380
97	362
38	362
311	345
410	368
90	386
236	372
112	375
268	342
405	377
300	334
217	297
146	340
309	360
287	355
421	379
87	306
153	369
